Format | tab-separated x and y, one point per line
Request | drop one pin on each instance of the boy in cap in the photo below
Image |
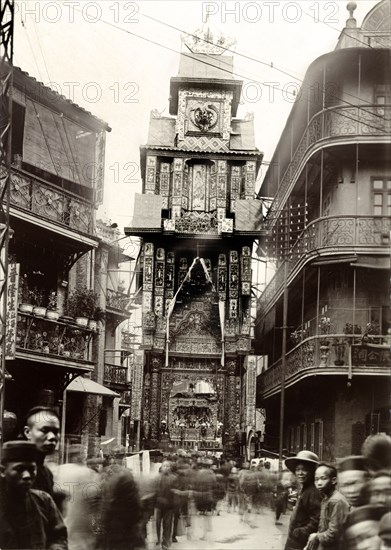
352	478
333	511
305	517
29	519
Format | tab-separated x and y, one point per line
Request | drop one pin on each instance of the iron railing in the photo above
334	122
115	374
332	232
325	351
49	337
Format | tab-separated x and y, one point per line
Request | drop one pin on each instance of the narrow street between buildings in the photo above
230	532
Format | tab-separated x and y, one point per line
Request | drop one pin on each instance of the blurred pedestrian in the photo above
379	489
305	516
121	511
81	487
181	499
362	528
165	505
352	478
204	489
333	511
281	495
29	518
385	532
233	490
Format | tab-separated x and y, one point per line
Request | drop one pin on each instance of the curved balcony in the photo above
328	355
118	301
334	124
50	202
338	234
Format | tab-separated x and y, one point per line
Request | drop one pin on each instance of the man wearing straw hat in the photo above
29	519
305	516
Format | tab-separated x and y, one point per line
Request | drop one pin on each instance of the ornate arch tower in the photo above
198	217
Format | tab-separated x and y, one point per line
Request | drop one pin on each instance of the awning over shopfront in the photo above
86	385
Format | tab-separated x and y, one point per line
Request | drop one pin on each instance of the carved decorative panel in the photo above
198	174
245	275
164	183
249	183
150	178
236	176
204	115
233	284
222	277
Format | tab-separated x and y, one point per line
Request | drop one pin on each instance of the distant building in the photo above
329	224
197	217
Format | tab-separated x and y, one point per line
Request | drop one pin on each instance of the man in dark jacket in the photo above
29	518
165	504
43	429
305	516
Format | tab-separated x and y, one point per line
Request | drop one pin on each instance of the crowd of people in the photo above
99	504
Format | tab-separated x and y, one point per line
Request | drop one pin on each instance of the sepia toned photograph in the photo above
195	324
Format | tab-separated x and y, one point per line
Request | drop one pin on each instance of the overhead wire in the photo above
232	73
267	64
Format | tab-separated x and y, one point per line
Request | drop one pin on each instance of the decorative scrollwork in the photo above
197	222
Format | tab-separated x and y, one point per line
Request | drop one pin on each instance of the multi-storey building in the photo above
330	179
56	183
197	217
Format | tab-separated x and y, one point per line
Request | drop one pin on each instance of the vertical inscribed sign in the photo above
12	310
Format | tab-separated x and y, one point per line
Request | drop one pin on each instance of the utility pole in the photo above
283	363
6	73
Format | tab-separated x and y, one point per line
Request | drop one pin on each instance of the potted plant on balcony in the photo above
25	295
351	330
371	329
81	305
98	315
298	336
325	329
38	297
52	312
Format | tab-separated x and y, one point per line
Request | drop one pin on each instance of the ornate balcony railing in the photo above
40	197
334	122
46	336
342	232
115	374
117	300
327	351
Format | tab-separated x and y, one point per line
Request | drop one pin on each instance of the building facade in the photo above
56	185
197	217
329	234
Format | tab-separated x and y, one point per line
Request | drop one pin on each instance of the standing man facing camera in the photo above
42	427
305	516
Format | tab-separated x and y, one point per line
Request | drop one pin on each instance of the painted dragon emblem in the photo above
205	118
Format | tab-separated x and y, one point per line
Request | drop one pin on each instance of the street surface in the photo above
230	533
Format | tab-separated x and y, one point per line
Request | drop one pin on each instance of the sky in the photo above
116	58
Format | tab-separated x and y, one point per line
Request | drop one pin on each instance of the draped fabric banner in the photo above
173	302
222	323
172	305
